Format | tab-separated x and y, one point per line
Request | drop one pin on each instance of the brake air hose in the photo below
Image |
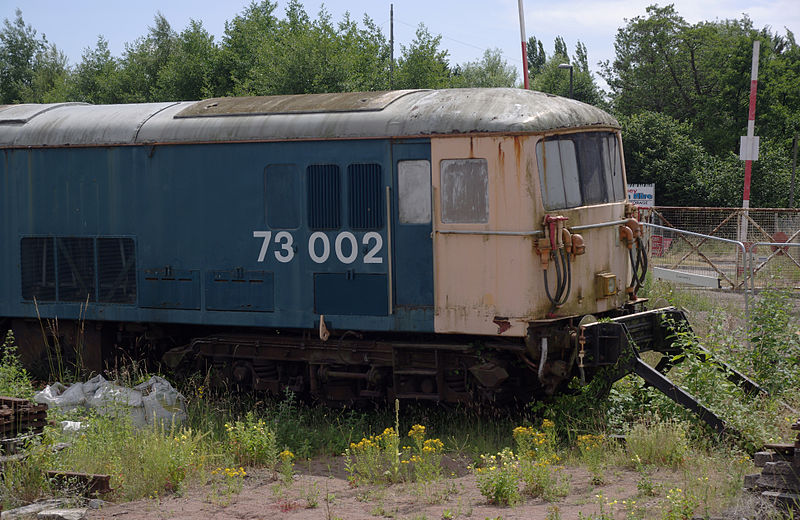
563	278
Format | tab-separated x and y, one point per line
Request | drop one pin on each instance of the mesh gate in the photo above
773	265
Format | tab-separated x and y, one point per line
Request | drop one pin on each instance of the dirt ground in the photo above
454	497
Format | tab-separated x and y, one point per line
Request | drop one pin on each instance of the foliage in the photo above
286	471
14	380
592	450
680	505
540	475
226	482
657	442
497	478
19	47
374	459
659	149
141	461
422	64
426	455
546	76
491	71
699	74
252	442
379	458
774	342
24	481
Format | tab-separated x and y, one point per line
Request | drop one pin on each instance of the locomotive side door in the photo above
411	226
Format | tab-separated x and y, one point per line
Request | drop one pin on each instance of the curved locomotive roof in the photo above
402	113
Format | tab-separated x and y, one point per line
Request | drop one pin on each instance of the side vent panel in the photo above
324	196
366	196
76	281
116	262
38	267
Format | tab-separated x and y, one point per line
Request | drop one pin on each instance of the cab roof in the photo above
353	115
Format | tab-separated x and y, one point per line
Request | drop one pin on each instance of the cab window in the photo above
580	170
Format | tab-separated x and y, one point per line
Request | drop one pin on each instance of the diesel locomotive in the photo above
425	244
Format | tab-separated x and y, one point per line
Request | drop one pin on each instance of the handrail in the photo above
737	243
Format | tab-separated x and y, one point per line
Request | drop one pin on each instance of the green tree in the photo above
49	81
422	64
188	72
561	48
659	150
701	74
536	56
143	61
95	79
19	48
553	80
301	55
241	44
490	71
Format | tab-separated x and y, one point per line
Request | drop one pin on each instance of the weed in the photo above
657	442
497	478
23	481
252	442
553	513
286	466
540	475
426	455
680	505
592	452
373	458
14	379
645	483
141	461
225	482
312	496
775	348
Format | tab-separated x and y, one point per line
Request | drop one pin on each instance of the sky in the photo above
467	27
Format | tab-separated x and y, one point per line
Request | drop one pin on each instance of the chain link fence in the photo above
673	244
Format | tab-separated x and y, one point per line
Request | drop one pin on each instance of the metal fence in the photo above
674	243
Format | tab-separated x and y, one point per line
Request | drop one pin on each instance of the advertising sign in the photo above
643	195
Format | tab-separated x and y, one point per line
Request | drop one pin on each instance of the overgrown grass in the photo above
227	433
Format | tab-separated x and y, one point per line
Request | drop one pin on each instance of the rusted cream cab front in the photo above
488	274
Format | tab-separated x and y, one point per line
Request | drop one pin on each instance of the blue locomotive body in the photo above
243	234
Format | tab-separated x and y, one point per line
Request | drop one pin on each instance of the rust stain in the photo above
501	156
502	324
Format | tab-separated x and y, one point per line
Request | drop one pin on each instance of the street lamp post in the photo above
567	66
